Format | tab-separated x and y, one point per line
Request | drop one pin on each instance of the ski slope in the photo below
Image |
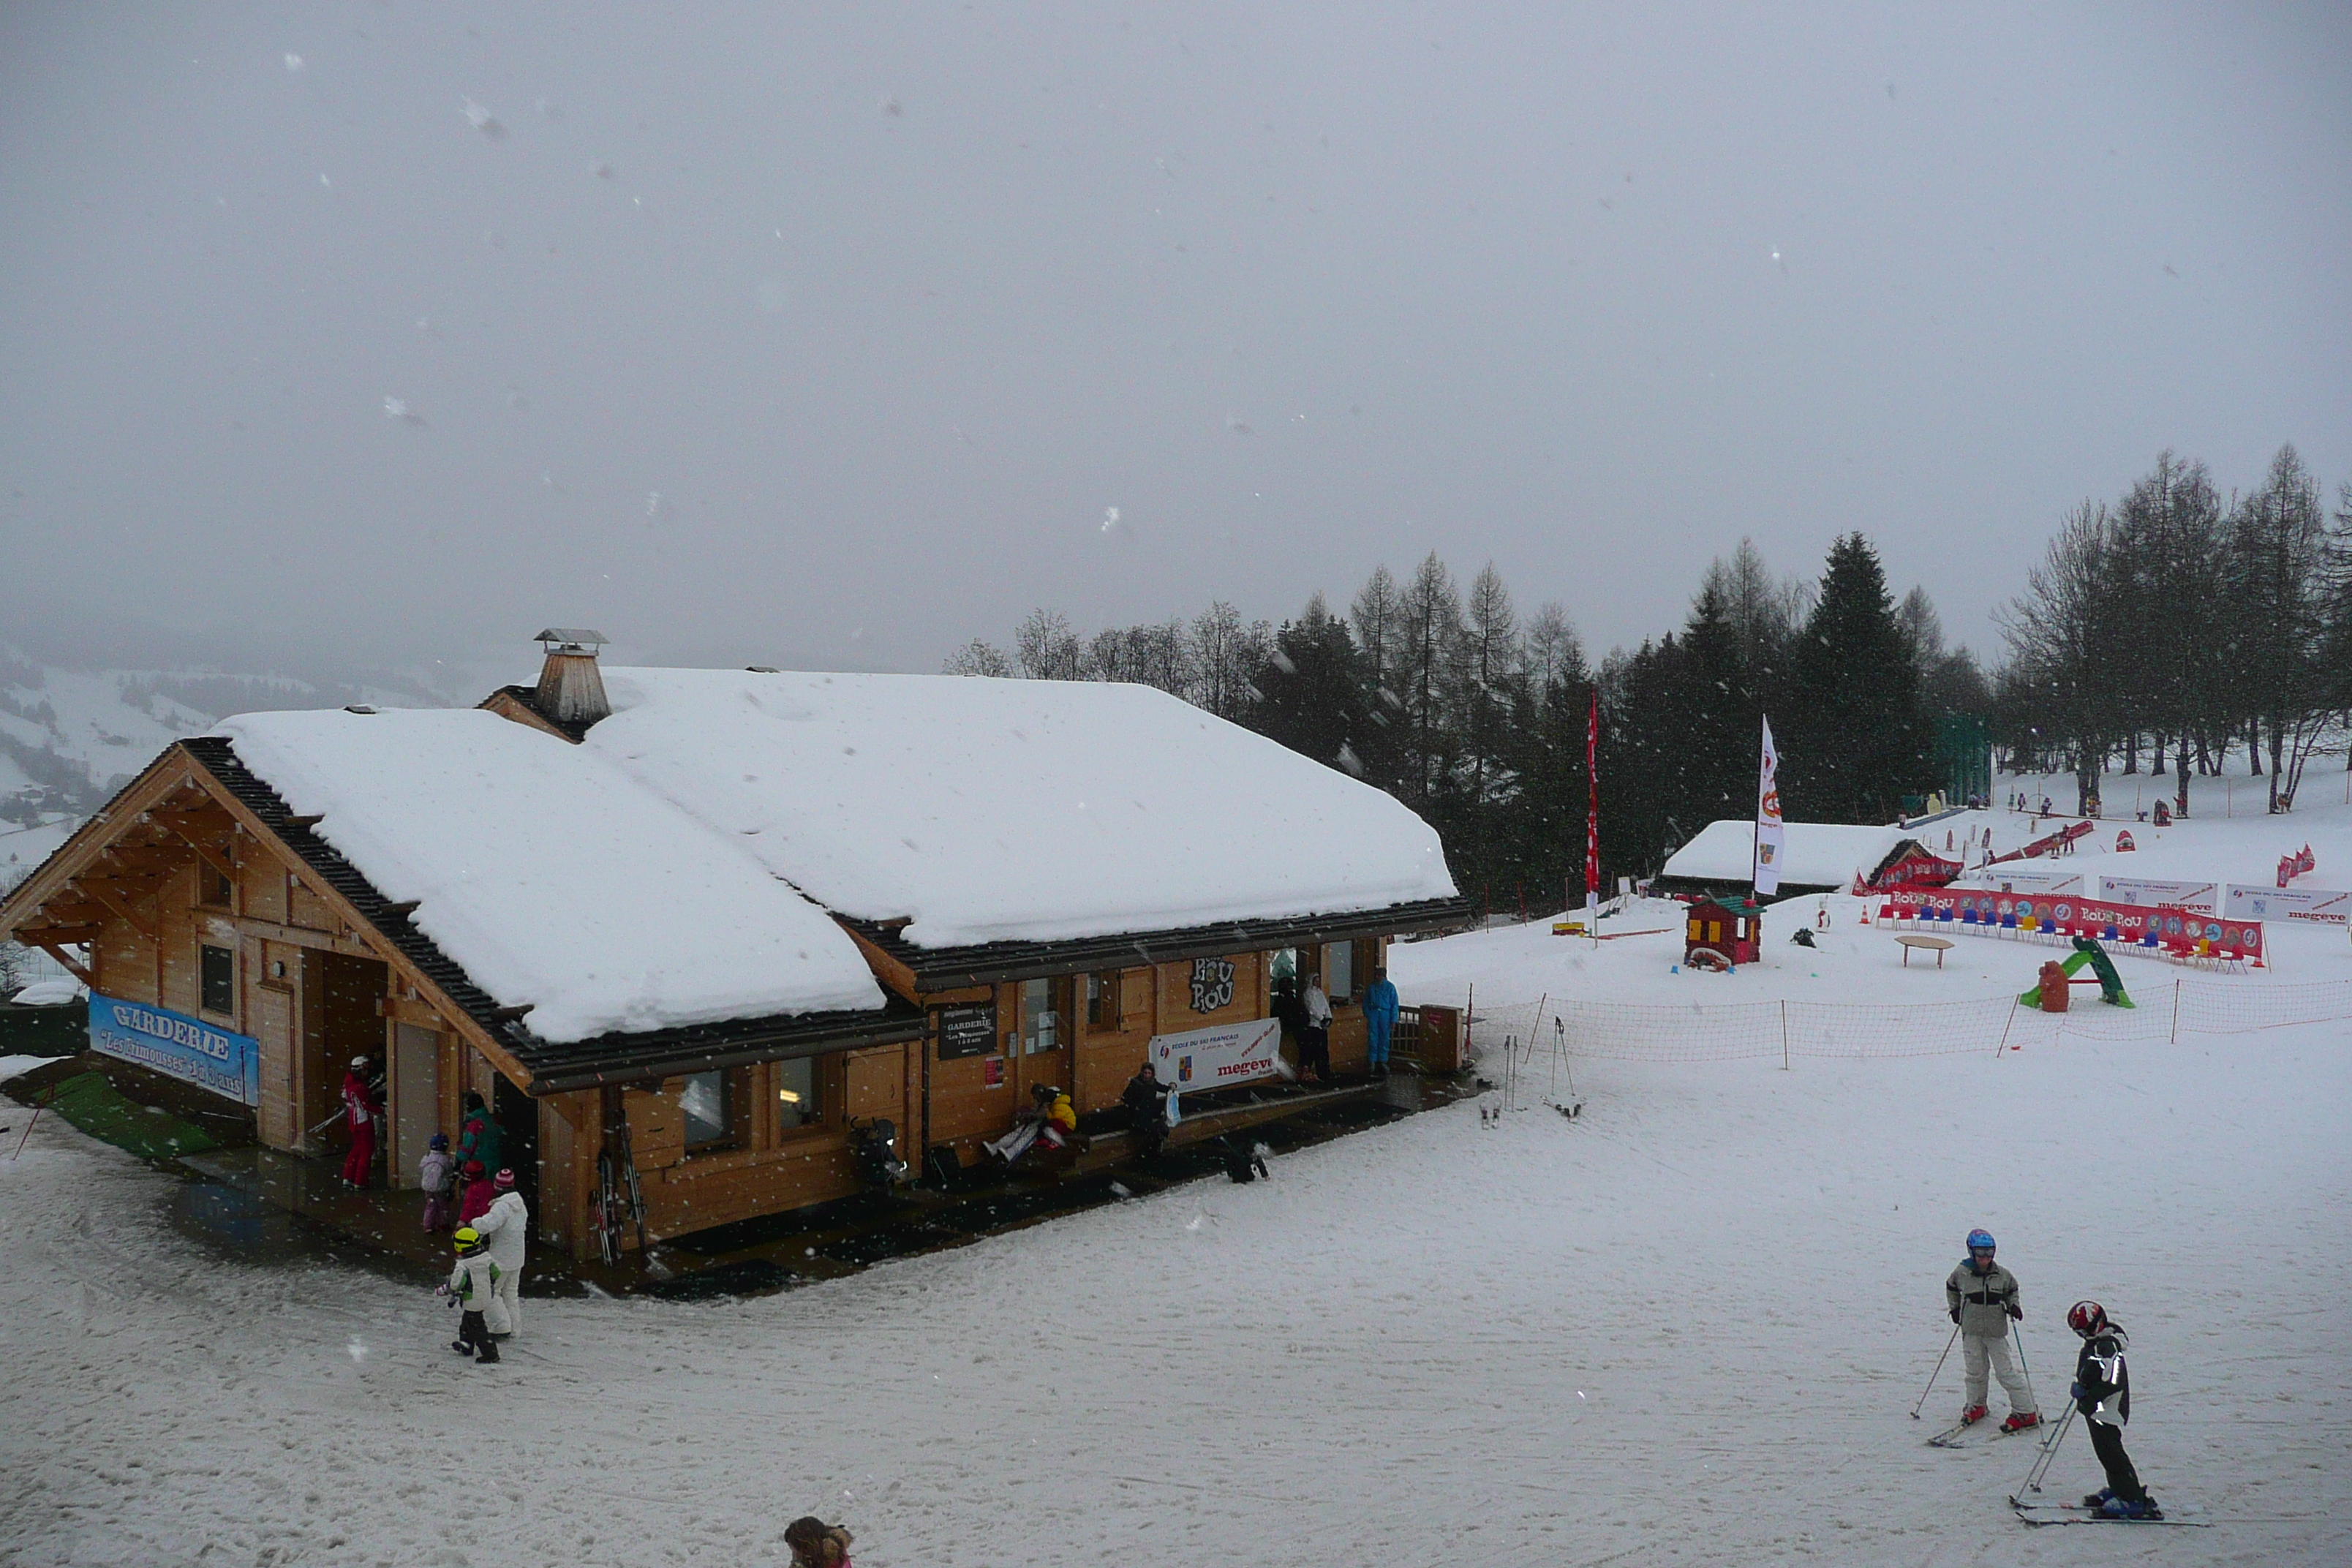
1687	1328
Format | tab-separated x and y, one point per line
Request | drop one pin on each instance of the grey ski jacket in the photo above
1983	1302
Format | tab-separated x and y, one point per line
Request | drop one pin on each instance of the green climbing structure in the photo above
2088	951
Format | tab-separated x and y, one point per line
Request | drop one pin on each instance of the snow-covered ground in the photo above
1686	1328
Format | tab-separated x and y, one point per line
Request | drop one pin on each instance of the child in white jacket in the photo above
472	1282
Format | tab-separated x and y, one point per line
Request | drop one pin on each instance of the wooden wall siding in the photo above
1175	1008
656	1124
964	1111
124	962
261	885
768	1171
307	910
269	1014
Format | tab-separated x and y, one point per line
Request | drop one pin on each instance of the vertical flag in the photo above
1767	876
1593	818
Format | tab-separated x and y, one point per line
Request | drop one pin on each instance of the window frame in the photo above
730	1133
215	890
1058	995
205	979
818	1075
1103	988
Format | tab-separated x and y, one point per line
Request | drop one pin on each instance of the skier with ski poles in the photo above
2102	1393
1982	1297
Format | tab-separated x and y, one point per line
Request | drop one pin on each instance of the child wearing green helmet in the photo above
470	1286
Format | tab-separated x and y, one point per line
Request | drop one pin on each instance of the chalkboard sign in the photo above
967	1032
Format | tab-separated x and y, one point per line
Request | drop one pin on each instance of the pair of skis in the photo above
2034	1512
619	1198
1950	1436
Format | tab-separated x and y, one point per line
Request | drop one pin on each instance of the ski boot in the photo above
490	1354
2117	1508
461	1347
2100	1499
2019	1421
1972	1415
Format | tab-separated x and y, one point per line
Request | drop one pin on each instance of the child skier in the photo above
2102	1393
473	1281
437	1174
1982	1297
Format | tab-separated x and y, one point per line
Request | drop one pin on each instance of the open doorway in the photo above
517	1119
340	1020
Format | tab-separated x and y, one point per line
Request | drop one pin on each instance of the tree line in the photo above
2167	626
2173	626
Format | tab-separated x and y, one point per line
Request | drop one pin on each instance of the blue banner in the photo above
177	1045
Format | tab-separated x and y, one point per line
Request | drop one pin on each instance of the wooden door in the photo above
416	1098
1044	1029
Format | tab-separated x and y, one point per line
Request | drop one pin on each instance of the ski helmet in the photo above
359	1064
467	1239
2086	1318
1979	1241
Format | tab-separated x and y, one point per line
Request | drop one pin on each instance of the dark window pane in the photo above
703	1105
217	967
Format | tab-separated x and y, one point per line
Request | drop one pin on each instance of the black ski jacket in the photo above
2102	1380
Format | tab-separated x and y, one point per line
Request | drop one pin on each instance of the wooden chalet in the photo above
212	907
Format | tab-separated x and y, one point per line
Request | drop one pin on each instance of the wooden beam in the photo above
68	964
208	855
102	894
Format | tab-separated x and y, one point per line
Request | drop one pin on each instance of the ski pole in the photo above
2018	1336
2049	1451
1939	1371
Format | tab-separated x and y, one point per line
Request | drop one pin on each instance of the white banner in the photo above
2323	904
2002	880
1766	873
1218	1057
2147	892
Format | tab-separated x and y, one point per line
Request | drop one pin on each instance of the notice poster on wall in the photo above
2326	906
967	1032
1218	1057
177	1047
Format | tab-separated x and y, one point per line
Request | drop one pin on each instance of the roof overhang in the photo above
957	968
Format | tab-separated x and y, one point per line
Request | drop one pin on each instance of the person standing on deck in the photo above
479	1136
361	1107
1379	1019
1315	1038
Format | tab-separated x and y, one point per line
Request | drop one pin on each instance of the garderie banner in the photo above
1218	1057
178	1046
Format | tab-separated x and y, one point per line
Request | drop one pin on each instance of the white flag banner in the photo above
1769	836
1217	1057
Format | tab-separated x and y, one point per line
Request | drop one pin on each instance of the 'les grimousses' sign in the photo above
177	1045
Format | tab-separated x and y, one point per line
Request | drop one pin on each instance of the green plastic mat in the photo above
94	1105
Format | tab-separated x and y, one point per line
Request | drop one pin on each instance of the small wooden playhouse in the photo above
1721	930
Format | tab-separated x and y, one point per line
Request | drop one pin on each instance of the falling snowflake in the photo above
394	408
293	63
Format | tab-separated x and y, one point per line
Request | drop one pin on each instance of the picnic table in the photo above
1938	945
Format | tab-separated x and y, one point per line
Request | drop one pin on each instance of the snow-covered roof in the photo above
984	810
552	875
1813	854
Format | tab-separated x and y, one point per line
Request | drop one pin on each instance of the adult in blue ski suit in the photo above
1380	1018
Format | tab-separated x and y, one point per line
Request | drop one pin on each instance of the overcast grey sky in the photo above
827	337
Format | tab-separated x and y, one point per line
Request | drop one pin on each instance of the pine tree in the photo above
1311	691
1857	744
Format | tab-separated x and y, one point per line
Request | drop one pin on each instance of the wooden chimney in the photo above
571	687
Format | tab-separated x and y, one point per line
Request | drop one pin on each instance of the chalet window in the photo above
1041	1014
214	888
800	1094
703	1105
1102	1000
1340	972
216	972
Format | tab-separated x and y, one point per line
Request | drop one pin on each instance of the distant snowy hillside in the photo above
70	737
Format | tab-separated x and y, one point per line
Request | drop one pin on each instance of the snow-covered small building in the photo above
721	912
1815	857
